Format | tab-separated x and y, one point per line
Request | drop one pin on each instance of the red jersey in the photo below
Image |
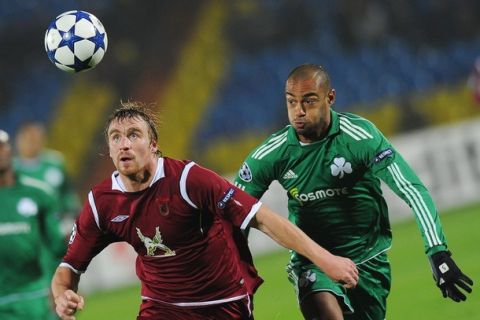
185	228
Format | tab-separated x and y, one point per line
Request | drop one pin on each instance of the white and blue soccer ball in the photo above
76	41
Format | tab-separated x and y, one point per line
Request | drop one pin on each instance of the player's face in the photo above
308	106
131	149
30	141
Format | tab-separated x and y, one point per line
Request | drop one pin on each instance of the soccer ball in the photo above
76	41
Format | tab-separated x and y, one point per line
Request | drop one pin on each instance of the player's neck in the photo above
315	136
140	180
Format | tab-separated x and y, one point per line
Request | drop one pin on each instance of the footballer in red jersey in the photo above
181	232
185	223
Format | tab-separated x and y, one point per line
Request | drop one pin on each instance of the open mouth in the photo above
125	159
299	123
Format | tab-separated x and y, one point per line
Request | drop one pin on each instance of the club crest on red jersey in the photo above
156	243
162	206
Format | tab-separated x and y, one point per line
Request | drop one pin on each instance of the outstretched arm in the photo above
405	183
290	236
64	289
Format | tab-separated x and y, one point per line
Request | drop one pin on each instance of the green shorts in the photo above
366	301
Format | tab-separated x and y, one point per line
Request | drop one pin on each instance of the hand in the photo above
67	304
342	270
449	277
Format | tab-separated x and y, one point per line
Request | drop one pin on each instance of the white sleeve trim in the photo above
250	215
68	266
183	184
91	201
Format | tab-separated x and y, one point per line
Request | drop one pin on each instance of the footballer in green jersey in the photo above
331	165
36	161
27	226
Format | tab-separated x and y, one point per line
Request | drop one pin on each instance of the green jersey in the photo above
27	226
50	168
333	186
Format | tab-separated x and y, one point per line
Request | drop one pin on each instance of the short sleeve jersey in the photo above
333	186
185	227
27	223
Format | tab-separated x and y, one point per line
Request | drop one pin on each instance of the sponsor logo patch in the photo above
228	195
318	194
383	155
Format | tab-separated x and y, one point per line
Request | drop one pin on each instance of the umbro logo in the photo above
120	218
290	175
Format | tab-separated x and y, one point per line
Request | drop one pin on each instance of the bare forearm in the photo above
64	279
289	236
64	289
285	233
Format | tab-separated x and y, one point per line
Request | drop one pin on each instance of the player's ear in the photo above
331	96
153	147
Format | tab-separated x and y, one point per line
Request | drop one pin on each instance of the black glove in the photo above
449	277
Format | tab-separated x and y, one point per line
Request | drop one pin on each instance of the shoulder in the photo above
198	173
104	193
173	167
53	156
36	186
273	147
356	127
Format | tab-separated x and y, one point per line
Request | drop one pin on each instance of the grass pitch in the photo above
413	295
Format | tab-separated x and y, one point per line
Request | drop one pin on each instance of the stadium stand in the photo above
387	58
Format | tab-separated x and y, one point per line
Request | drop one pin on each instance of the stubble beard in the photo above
140	177
313	132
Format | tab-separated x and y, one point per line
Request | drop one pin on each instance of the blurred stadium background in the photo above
215	71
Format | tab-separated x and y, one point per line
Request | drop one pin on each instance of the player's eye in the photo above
133	136
115	138
310	101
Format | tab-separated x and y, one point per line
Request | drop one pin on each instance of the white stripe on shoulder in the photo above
91	201
250	215
270	145
183	184
35	183
351	134
355	131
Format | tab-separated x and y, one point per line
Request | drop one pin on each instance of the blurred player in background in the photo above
184	222
33	159
37	161
27	223
331	164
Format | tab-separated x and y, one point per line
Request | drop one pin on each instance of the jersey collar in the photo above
333	130
117	183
